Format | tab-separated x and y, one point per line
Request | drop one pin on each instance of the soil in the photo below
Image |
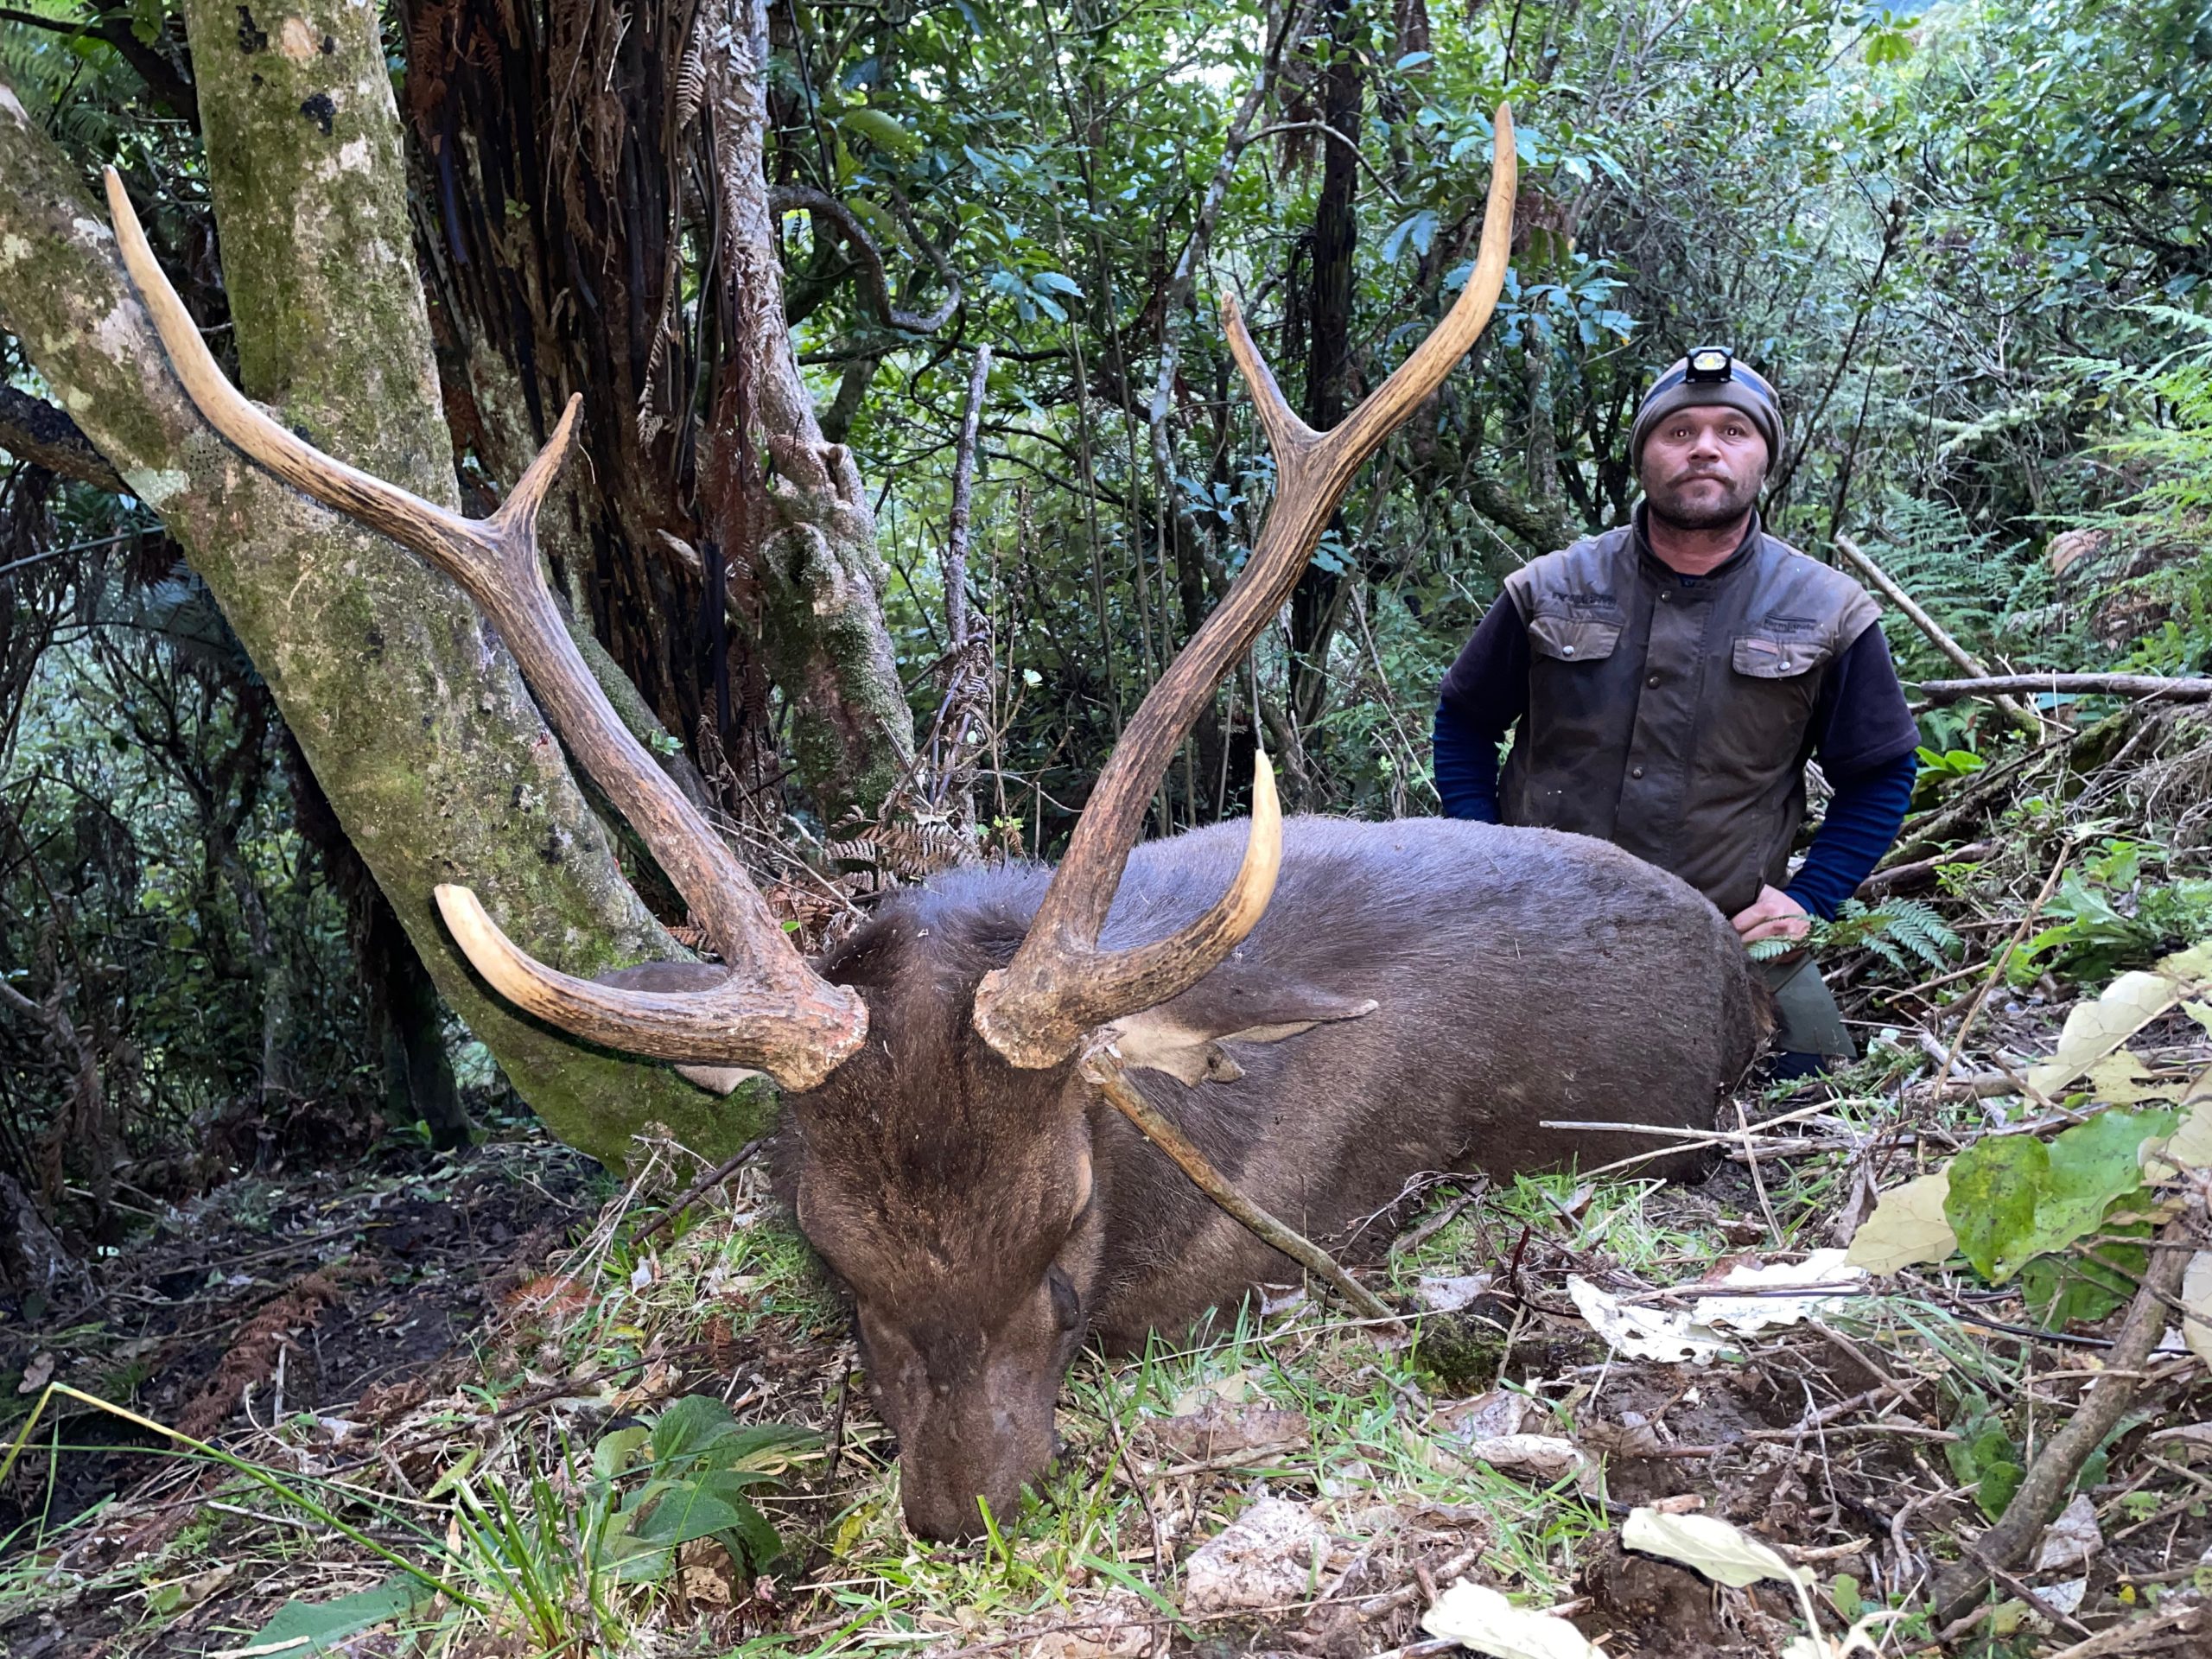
262	1299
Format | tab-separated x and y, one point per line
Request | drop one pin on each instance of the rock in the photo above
1265	1558
1440	1295
2071	1539
1112	1628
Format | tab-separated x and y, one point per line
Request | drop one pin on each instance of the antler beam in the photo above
773	1012
1060	984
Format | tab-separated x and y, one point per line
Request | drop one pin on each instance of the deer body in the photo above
1420	996
986	1217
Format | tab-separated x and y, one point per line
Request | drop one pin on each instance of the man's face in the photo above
1702	467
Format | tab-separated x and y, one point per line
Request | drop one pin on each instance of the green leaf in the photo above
1991	1203
2070	1288
2013	1198
880	130
305	1627
1984	1456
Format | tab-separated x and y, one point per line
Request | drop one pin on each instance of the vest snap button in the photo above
1636	772
1654	680
1566	651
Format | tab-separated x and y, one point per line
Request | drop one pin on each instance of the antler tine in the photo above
1036	1010
773	1012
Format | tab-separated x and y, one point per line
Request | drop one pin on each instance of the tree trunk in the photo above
1316	602
557	247
411	714
787	506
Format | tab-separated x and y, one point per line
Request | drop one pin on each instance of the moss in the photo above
414	720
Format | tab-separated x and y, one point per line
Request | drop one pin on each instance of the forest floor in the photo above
441	1394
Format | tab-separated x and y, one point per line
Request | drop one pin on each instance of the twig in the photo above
2125	1638
1900	876
2055	1467
1102	1069
1938	634
2002	960
713	1178
2171	688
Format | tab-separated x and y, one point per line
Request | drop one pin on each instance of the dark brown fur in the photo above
986	1218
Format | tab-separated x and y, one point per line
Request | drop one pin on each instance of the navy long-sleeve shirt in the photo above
1863	739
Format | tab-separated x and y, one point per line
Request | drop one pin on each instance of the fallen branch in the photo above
1102	1068
1938	635
1899	878
2053	1473
2171	688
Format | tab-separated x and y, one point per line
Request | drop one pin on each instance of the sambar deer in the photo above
1419	995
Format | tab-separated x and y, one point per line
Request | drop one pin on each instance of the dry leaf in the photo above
1539	1457
1700	1332
1709	1544
1906	1228
1480	1619
2122	1078
2196	1305
1267	1556
2129	1003
2071	1539
37	1374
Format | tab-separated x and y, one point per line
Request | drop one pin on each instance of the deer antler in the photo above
773	1012
1060	985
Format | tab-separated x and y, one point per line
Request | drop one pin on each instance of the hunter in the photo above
1670	679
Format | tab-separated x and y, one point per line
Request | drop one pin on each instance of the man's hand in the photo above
1774	915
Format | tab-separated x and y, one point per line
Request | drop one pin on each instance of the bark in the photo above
34	431
554	145
1316	602
410	712
789	507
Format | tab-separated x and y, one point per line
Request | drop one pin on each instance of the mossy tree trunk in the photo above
410	712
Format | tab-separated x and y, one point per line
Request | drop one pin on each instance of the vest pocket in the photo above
1764	658
1574	639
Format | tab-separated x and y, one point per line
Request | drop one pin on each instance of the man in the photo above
1670	679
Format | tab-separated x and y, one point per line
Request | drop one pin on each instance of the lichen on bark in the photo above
408	708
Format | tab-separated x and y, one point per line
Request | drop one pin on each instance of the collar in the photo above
1659	569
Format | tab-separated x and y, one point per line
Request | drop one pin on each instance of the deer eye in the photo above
1067	1306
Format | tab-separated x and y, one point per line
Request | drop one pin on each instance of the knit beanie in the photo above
1745	389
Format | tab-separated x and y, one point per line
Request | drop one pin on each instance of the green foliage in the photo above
1901	931
2014	1198
563	1557
306	1627
1984	1456
2108	914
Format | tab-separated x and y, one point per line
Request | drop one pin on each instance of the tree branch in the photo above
820	203
2110	685
34	431
160	75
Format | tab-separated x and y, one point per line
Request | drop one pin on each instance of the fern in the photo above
1903	933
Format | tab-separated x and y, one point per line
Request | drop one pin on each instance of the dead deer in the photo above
1419	995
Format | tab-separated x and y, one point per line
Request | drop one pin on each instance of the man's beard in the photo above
1670	506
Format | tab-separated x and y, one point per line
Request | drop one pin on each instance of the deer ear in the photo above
1189	1037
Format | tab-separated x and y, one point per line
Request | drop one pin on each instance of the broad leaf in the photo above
309	1627
2013	1197
1906	1229
1478	1617
1709	1544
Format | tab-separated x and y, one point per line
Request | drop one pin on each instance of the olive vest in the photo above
1673	718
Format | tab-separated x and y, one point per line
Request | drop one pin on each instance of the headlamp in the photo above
1710	363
